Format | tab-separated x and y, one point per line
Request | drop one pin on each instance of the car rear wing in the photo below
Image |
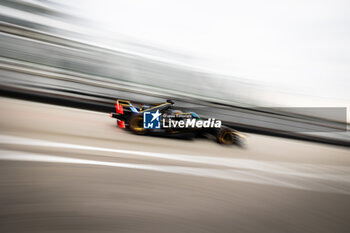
123	109
125	105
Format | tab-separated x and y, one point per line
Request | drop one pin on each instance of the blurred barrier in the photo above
38	48
67	90
38	64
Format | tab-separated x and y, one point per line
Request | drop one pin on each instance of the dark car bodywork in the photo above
130	117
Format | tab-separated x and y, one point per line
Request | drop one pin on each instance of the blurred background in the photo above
266	68
241	56
251	52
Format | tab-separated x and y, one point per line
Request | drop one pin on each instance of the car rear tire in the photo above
136	125
225	136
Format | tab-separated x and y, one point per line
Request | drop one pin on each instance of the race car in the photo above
131	117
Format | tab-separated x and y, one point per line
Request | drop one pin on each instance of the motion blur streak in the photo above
66	169
327	172
203	172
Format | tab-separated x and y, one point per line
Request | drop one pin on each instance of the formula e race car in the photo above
163	120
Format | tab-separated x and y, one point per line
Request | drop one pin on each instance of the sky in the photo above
301	47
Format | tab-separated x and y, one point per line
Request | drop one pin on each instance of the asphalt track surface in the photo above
71	170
